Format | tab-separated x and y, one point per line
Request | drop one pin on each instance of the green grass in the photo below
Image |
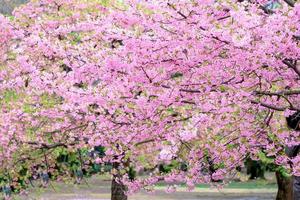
100	185
258	184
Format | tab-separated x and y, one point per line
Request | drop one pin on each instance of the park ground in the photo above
98	188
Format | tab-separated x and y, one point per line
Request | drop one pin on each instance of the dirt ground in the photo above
99	189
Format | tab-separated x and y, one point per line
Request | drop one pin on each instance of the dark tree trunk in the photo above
285	187
118	190
256	169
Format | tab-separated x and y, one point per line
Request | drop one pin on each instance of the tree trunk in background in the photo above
256	169
118	190
285	187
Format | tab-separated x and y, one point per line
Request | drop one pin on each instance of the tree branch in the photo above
50	146
290	2
280	93
296	37
144	142
292	65
180	13
272	107
269	106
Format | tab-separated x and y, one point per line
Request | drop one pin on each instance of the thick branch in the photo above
290	2
190	91
144	142
292	65
269	106
296	37
272	107
50	146
280	93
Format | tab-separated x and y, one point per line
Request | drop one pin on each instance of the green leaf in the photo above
262	156
176	75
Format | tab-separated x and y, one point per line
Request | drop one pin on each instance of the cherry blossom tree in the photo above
201	82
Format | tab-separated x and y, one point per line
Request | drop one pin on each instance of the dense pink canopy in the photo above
203	82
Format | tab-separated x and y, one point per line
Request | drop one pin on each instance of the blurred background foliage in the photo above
7	6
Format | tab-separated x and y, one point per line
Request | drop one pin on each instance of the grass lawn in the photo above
98	188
